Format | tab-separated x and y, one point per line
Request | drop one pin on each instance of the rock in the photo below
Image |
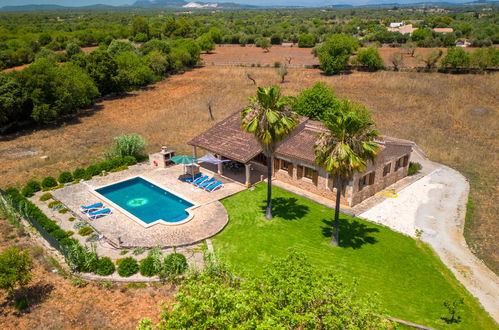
480	111
44	157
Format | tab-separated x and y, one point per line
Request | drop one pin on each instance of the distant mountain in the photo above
189	4
31	7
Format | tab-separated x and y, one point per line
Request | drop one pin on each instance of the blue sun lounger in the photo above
214	186
99	213
206	183
199	180
92	207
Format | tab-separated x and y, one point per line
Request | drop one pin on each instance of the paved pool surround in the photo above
208	217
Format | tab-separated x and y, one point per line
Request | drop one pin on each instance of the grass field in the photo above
437	111
411	281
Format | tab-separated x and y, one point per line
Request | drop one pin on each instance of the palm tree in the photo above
270	120
344	149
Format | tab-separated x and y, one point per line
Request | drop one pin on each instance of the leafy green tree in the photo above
133	71
73	49
140	24
162	46
315	102
12	99
206	43
421	34
290	294
456	57
483	58
335	52
306	40
118	46
158	62
264	43
55	90
15	269
345	148
370	58
103	70
270	121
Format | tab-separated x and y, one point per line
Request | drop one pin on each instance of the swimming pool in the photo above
146	202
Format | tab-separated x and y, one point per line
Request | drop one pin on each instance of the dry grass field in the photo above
454	118
300	57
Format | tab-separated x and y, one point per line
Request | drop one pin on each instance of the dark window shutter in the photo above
299	172
406	160
290	169
277	164
315	177
371	178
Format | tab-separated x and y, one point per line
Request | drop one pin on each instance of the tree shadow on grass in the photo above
286	208
353	234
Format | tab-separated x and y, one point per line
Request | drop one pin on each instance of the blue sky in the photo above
250	2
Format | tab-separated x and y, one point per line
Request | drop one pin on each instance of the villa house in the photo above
294	159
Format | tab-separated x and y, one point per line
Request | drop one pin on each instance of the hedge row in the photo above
49	182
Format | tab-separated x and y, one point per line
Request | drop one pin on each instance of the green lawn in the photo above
410	279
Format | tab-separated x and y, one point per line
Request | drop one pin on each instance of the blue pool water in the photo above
146	201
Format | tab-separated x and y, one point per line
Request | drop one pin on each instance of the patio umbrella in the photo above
184	159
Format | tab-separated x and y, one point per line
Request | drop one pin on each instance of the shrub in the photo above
129	160
127	145
54	204
64	211
85	231
147	267
71	219
92	170
45	197
370	58
277	64
175	264
80	259
31	187
316	101
65	177
128	267
79	173
116	162
414	168
49	182
306	40
105	266
105	166
59	234
70	233
15	269
21	303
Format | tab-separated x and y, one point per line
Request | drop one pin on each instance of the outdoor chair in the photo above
200	180
206	183
99	213
90	208
214	186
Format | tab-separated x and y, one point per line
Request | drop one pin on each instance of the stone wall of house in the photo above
354	193
388	156
322	186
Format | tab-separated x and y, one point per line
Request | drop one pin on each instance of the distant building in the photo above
443	30
463	43
404	29
396	24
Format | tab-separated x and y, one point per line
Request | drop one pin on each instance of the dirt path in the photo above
440	213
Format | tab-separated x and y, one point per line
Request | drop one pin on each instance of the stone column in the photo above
194	152
220	168
248	174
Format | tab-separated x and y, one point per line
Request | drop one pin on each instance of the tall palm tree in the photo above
345	148
270	120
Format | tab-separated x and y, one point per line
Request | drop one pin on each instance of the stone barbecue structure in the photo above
294	160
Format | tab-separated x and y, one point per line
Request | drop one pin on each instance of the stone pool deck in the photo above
121	231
